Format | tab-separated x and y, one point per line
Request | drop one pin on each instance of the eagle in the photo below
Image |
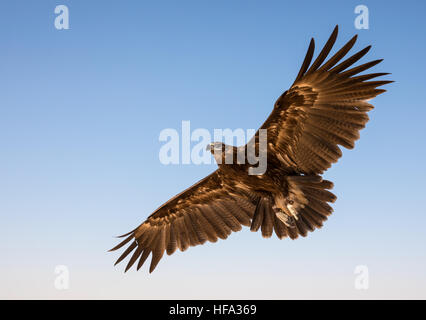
324	109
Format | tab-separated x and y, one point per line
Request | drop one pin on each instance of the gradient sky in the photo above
80	115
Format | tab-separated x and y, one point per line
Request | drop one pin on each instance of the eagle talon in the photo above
289	221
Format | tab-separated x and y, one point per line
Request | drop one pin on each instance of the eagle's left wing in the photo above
324	108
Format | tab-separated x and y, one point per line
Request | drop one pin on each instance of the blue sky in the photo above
80	115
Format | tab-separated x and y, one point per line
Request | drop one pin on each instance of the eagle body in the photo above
272	185
322	111
279	194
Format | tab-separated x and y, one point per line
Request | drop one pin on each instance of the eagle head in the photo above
223	153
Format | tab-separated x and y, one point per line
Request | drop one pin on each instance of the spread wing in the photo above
210	209
325	108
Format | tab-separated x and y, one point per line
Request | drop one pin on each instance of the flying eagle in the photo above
325	108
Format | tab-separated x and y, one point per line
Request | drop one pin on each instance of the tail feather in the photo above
307	201
268	215
258	215
315	209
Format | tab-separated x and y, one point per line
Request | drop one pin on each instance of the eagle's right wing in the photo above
210	209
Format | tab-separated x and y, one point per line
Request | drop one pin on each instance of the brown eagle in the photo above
325	108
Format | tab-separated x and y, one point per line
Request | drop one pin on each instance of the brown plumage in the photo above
324	108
